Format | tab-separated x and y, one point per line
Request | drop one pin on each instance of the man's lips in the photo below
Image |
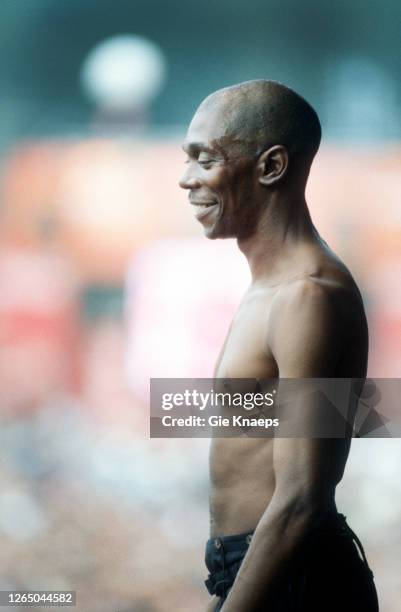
202	208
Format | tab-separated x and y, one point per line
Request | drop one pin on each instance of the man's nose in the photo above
188	180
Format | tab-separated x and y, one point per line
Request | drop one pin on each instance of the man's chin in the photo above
211	235
214	233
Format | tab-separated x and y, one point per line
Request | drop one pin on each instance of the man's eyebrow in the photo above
196	147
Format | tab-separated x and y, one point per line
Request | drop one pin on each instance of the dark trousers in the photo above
330	573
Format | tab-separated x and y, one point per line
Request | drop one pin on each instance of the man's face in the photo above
221	183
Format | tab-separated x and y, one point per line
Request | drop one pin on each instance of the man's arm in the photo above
305	340
212	605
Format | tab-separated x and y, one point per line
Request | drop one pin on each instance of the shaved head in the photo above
256	115
249	147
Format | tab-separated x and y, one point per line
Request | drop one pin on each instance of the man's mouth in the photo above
202	209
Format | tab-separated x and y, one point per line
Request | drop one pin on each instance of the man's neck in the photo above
283	229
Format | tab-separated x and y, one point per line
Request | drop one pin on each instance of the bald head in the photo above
256	115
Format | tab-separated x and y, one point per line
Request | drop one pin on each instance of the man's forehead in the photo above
206	131
202	140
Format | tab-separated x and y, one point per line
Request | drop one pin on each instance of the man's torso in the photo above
241	468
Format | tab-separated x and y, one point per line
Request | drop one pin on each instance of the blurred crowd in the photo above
94	507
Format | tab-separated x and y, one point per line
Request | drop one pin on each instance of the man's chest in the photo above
245	352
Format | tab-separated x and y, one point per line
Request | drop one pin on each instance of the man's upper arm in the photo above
305	331
305	341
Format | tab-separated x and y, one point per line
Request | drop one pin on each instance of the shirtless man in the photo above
277	542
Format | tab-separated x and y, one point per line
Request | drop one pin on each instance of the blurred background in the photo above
106	279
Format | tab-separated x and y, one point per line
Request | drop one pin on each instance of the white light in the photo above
124	72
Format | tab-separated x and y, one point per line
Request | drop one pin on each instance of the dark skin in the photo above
301	317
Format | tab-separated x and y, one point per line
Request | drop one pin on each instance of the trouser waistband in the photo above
336	522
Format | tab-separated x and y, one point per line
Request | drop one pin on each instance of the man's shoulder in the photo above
317	302
328	288
307	294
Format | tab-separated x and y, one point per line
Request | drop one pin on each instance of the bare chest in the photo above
245	352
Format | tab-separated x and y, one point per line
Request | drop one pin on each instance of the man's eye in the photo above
204	162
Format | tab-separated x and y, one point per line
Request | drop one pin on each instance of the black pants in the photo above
330	573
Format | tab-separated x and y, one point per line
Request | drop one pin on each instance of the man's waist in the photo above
224	554
230	542
330	524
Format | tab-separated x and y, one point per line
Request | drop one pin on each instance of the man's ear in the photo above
272	165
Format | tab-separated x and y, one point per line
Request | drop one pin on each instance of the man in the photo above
277	542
